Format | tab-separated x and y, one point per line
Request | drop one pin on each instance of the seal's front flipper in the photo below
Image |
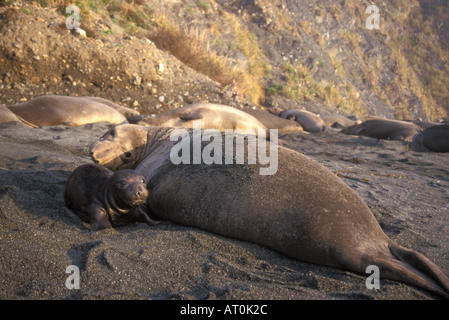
100	220
142	215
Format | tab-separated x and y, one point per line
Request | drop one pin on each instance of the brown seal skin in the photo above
338	121
384	129
309	121
211	115
273	122
7	115
434	139
133	116
53	110
106	199
285	211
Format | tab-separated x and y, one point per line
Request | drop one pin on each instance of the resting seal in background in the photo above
106	199
434	139
7	115
384	129
338	121
273	122
303	211
310	122
212	116
52	110
131	115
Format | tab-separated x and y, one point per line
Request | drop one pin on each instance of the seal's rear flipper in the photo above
411	267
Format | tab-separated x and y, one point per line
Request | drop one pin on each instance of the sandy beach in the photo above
407	191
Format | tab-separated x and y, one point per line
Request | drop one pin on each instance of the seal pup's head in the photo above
128	189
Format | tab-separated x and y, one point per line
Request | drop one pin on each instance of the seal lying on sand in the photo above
7	115
273	122
338	121
434	139
310	121
131	115
52	110
303	211
106	199
212	116
384	129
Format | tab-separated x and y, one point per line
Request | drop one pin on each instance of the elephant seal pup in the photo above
273	122
384	129
285	211
434	139
53	110
106	199
212	116
310	121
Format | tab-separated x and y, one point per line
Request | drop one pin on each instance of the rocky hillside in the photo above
154	55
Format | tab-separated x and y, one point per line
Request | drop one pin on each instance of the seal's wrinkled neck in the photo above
153	138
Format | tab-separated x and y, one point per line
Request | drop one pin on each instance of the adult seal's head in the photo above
106	199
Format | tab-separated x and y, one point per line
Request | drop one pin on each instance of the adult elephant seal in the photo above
286	211
7	116
384	129
211	115
310	121
106	199
53	110
131	115
338	121
434	139
273	122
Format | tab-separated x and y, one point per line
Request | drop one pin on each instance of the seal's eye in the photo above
122	184
143	180
128	154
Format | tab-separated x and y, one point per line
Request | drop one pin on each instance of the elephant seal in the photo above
273	122
434	139
310	121
286	211
53	110
384	129
212	116
131	115
338	121
426	124
106	199
7	115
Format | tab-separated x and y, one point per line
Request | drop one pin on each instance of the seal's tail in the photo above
412	267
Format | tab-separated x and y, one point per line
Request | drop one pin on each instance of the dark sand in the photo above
407	191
